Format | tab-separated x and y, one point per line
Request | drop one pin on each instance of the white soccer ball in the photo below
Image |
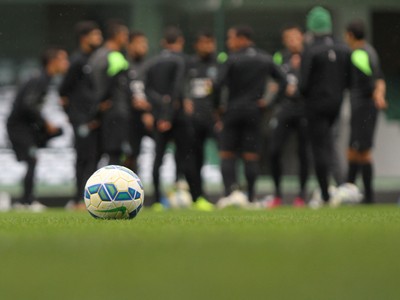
179	197
114	192
346	193
235	199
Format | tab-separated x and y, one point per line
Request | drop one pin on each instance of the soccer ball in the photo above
346	193
179	197
234	199
114	192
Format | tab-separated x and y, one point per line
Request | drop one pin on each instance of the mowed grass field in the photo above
344	253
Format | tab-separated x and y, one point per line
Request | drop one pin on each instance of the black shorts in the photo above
87	147
114	131
136	132
283	123
23	138
241	132
363	123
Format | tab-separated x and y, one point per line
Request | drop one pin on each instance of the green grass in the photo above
345	253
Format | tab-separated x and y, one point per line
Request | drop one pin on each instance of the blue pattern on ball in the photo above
112	190
123	196
103	194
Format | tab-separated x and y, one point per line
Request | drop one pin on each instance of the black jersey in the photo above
77	87
26	126
245	74
164	78
110	82
135	74
201	72
324	75
29	101
109	76
284	59
364	72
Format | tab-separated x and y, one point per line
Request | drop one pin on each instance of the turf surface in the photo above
345	253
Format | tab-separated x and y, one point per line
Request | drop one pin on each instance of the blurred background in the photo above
27	26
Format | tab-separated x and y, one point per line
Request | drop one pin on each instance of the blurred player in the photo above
244	74
111	85
76	93
289	116
141	120
200	101
164	89
324	75
367	94
26	127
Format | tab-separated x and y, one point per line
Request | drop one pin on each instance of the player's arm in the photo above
222	80
140	101
117	63
31	96
168	101
280	79
379	93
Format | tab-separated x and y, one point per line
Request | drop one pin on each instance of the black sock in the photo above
322	177
353	171
251	168
367	176
228	170
303	176
276	173
29	182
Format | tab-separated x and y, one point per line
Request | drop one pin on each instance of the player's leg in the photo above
183	135
321	142
336	168
251	171
86	161
136	134
200	136
250	145
115	134
367	173
228	171
363	125
303	156
185	143
280	131
353	165
80	166
228	144
28	197
161	139
23	141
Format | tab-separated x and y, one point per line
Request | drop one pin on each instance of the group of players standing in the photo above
113	97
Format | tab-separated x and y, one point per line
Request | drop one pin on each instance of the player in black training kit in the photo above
324	76
367	96
245	75
164	80
111	85
26	127
77	98
289	116
141	120
200	102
